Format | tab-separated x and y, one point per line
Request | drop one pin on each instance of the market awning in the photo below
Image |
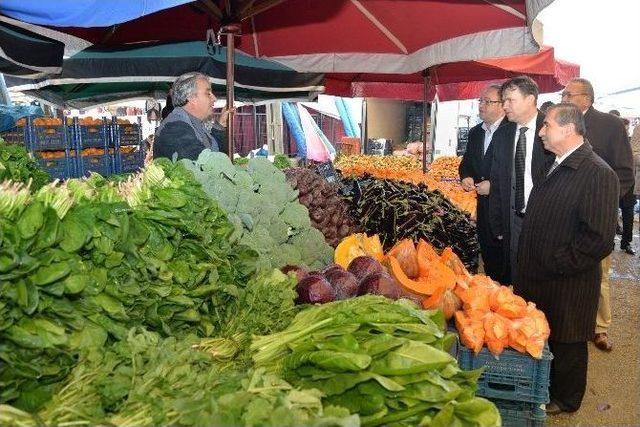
85	13
383	36
458	80
25	53
95	76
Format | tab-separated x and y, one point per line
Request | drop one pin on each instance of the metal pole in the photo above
363	125
434	125
427	80
4	93
230	31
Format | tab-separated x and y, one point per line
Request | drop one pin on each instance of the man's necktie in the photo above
521	150
553	167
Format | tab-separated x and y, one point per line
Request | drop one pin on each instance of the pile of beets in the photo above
364	275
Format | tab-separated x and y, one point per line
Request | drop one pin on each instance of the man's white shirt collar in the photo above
492	128
560	159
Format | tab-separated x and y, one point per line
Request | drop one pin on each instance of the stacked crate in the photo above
129	150
78	147
91	142
517	383
50	142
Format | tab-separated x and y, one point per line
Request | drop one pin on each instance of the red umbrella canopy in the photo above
381	36
458	80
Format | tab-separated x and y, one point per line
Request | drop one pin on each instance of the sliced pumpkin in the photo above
421	287
373	247
453	262
347	250
426	254
356	245
434	299
442	275
405	253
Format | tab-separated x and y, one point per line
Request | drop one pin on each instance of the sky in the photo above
604	38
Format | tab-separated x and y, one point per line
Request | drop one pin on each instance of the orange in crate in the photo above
349	145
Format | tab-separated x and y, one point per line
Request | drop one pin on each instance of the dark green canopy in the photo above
98	76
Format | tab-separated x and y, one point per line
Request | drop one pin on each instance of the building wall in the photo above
387	119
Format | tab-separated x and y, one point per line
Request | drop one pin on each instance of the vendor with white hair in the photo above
183	131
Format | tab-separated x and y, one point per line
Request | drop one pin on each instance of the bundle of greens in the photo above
264	209
328	211
83	261
148	380
382	359
18	166
396	210
281	161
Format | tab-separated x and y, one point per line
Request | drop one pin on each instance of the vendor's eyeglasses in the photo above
488	101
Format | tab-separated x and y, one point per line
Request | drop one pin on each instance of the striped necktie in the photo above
518	164
553	166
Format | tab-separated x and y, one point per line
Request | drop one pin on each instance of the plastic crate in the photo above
91	136
17	135
49	137
521	414
513	376
127	134
101	164
129	162
60	168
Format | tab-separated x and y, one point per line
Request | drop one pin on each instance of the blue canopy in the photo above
82	13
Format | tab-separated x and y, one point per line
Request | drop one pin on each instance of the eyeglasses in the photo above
488	101
571	95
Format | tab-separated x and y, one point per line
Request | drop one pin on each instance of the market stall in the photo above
336	36
204	291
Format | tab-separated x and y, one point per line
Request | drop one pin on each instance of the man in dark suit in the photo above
475	169
569	228
183	131
517	165
607	136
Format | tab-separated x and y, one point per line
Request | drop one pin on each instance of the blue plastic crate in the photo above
91	136
62	168
17	135
127	134
521	414
513	376
49	137
101	164
130	162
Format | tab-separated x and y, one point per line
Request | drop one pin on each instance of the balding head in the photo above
490	105
580	93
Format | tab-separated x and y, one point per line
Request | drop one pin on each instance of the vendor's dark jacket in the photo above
180	138
610	141
568	229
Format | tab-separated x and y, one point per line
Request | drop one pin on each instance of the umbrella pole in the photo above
424	120
230	31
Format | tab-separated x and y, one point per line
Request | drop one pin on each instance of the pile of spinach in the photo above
83	261
264	208
149	380
17	165
380	359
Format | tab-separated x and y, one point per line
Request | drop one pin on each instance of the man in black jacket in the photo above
475	170
568	229
183	131
607	136
518	164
